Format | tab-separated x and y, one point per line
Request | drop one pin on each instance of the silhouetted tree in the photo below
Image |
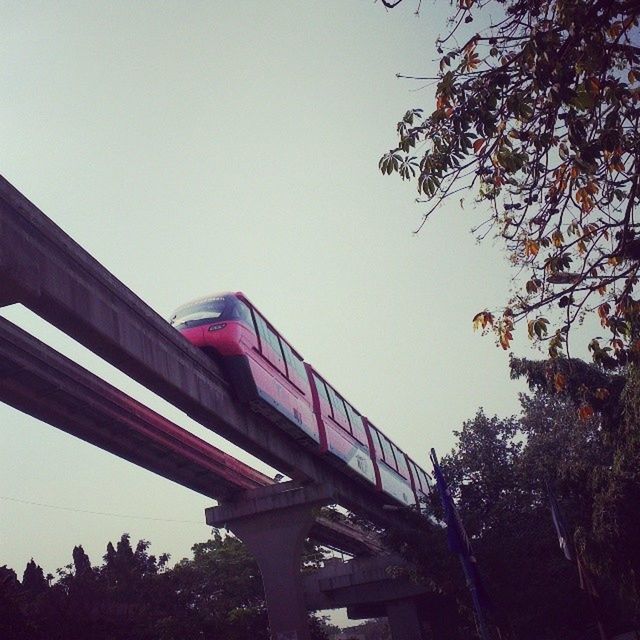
13	622
81	562
600	461
497	473
33	580
133	596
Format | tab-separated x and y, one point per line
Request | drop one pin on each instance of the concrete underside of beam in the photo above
405	617
380	587
374	581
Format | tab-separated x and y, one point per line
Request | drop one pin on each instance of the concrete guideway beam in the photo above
346	537
375	580
39	381
373	587
43	383
43	268
273	523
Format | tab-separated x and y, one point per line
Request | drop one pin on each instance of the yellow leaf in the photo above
557	238
559	381
531	248
482	320
505	339
585	412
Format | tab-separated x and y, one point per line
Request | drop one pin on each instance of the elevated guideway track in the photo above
41	382
44	269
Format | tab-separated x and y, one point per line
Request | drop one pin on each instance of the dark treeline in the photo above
133	595
501	473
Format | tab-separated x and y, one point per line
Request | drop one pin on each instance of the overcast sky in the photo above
195	147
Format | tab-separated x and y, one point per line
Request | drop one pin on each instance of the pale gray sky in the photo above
194	147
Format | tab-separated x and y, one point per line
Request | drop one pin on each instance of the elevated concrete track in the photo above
41	382
44	269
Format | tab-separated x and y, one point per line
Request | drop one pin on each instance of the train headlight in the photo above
217	327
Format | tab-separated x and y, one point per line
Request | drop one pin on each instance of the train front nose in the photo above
195	335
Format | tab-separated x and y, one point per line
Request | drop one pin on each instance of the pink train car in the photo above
269	374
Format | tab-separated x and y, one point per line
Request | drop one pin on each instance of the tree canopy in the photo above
536	118
599	460
133	595
498	473
537	113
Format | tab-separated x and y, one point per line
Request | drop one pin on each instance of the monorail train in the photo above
269	374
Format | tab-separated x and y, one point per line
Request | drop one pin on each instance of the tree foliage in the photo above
600	461
498	473
538	114
533	589
33	580
133	595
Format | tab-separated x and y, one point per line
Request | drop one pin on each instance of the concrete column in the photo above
403	620
274	523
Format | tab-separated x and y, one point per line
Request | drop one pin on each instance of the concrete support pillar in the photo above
404	620
274	523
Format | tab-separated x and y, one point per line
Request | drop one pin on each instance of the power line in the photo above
97	513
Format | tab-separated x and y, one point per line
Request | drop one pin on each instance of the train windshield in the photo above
202	311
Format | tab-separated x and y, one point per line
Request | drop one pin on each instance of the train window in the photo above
242	312
262	331
403	470
426	481
339	412
357	428
377	447
322	390
414	473
200	312
294	364
269	338
288	358
274	341
388	452
421	478
298	365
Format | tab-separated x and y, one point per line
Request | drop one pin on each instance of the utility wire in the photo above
97	513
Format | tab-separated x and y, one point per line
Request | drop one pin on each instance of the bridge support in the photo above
403	615
403	620
380	587
274	522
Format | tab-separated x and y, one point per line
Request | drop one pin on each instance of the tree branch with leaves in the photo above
538	116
